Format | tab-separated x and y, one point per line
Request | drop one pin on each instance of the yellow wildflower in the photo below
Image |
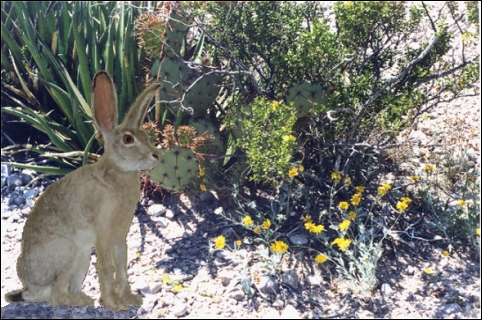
336	176
177	288
428	168
477	231
247	221
342	243
293	172
360	188
355	200
317	228
202	171
220	242
414	178
352	215
306	218
138	255
279	246
348	180
203	188
266	224
165	278
401	206
288	138
387	186
406	199
446	253
238	243
301	168
321	258
344	225
343	205
428	271
274	105
257	230
383	189
461	202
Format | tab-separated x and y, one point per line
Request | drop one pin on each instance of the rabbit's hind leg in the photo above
72	277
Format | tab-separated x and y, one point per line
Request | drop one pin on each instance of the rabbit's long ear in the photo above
139	108
104	101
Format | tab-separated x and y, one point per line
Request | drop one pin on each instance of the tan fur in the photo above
90	207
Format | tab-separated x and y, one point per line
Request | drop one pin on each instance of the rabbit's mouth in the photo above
145	165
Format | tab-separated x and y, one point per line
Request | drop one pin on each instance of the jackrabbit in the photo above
91	206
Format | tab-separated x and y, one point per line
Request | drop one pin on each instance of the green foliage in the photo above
268	139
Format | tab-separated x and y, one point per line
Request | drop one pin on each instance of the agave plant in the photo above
50	51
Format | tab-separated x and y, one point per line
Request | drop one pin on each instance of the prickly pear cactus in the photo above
178	170
304	95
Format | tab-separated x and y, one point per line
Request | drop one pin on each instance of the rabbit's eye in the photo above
128	139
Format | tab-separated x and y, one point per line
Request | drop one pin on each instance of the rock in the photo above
30	194
170	214
237	294
142	285
179	309
410	270
155	287
14	181
103	313
148	303
451	308
278	303
268	285
6	170
156	210
16	199
417	135
290	312
313	280
298	240
386	290
206	196
26	178
290	278
226	276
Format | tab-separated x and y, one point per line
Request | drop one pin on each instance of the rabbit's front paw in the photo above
132	299
114	303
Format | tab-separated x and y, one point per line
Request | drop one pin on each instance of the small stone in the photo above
170	214
290	312
155	287
14	181
148	303
290	278
156	210
226	276
179	309
30	194
206	196
298	240
313	280
387	291
6	170
278	303
141	284
410	270
237	294
26	178
451	308
268	285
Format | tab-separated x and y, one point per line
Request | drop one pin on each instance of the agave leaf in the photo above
52	170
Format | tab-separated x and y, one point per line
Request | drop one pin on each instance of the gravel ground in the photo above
172	238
